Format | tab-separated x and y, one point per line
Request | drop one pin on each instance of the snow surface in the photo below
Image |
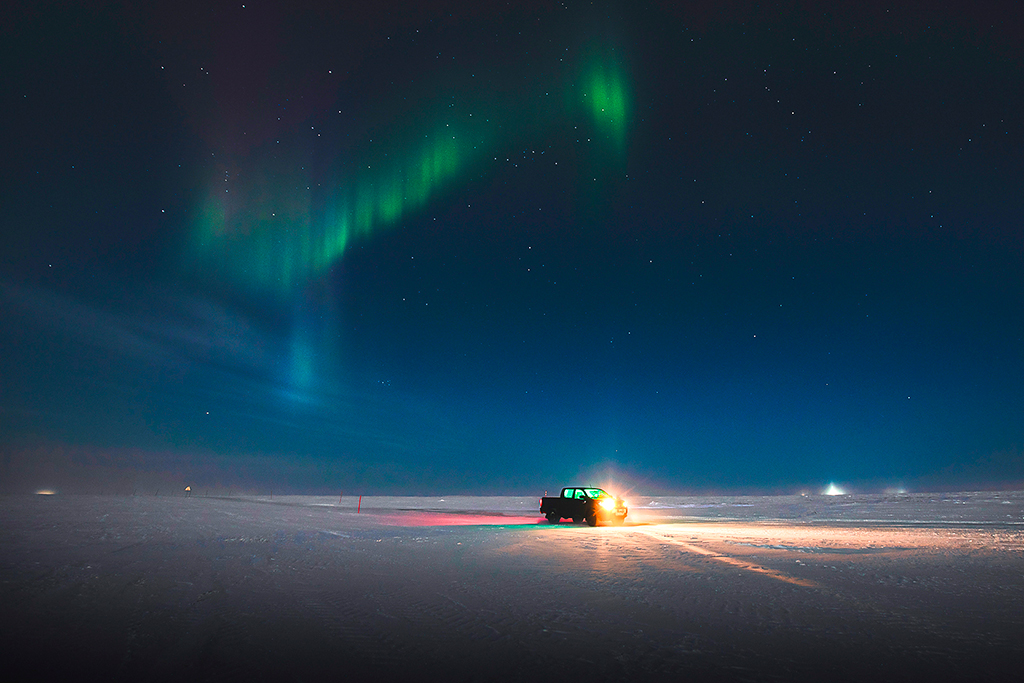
887	587
972	507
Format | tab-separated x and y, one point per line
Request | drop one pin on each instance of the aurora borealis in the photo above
274	237
421	247
274	226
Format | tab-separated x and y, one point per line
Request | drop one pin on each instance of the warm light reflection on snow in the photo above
671	535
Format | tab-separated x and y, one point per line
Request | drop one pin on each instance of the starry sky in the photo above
497	248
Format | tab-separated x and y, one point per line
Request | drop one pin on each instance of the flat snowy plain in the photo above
798	588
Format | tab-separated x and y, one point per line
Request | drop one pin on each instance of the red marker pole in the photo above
359	504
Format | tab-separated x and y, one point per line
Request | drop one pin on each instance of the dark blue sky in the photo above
457	247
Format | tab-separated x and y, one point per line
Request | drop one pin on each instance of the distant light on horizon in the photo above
834	490
46	492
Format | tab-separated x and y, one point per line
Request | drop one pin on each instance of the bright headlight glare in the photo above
608	504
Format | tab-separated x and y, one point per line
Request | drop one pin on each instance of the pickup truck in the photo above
580	503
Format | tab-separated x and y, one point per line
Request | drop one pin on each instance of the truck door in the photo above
579	504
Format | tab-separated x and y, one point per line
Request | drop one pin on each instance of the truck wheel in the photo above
553	518
577	520
592	520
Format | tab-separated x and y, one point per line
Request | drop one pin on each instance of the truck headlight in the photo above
608	504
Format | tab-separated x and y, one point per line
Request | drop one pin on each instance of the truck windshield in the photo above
597	494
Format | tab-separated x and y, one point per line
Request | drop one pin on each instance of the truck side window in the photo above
580	495
566	493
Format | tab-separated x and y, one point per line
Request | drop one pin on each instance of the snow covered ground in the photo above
886	587
971	507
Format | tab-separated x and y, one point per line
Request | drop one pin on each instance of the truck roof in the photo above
590	491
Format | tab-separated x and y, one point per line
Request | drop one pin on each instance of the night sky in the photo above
505	247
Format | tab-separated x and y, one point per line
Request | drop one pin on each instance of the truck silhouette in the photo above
580	503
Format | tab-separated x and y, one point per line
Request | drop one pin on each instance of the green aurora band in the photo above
277	241
272	232
608	102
